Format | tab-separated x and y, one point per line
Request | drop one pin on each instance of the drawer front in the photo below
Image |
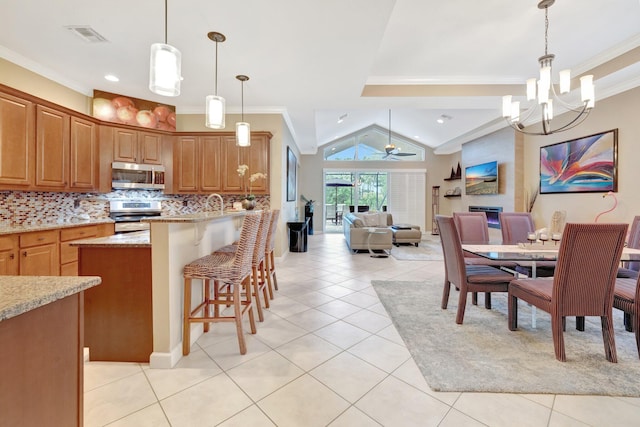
75	233
68	253
69	269
8	242
38	238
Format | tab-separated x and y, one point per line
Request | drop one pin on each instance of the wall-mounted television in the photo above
481	179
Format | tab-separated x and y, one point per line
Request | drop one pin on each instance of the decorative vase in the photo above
248	204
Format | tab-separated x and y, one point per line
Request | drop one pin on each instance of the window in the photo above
372	144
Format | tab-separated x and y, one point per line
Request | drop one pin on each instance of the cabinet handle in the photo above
12	256
24	254
40	239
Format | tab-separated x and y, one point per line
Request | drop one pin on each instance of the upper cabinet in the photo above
208	162
137	146
17	142
66	151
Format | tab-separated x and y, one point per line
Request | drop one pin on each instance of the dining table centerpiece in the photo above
249	201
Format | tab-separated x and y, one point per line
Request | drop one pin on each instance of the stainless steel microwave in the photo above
137	176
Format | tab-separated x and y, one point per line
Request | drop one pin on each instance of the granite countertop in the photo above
12	229
20	294
139	239
196	217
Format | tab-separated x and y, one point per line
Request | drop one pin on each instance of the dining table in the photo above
530	254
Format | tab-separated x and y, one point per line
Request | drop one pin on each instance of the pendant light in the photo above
215	105
243	129
164	69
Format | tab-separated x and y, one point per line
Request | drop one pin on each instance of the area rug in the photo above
482	355
425	251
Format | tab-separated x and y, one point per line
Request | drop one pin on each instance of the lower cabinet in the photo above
46	253
39	254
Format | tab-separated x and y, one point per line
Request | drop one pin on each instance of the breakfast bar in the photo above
137	314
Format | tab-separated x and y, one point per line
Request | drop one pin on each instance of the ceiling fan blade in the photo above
404	154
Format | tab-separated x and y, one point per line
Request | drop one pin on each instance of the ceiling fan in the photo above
391	149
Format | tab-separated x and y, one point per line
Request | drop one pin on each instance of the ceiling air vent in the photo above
86	33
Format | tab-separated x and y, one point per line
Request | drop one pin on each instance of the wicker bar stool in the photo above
230	271
270	266
257	263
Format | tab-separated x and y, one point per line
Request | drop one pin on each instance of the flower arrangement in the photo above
242	171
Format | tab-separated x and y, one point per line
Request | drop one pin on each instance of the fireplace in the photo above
492	213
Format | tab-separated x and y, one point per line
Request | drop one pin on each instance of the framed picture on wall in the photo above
583	165
291	175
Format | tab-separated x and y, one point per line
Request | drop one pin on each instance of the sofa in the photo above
356	226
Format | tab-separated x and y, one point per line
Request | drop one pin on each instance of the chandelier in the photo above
544	91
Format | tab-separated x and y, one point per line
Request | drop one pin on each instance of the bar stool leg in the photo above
207	304
263	283
238	317
256	290
186	324
247	286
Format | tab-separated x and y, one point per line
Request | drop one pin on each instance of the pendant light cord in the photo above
242	101
215	84
546	29
165	22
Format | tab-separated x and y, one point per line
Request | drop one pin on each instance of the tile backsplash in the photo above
36	208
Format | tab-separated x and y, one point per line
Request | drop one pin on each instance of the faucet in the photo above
206	206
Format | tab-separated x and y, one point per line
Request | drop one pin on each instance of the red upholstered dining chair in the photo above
467	278
630	269
514	227
582	286
626	297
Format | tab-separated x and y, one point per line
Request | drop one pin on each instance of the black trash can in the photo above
297	236
308	216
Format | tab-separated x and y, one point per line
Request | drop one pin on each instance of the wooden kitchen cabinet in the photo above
52	148
39	254
256	156
208	162
83	152
134	146
17	142
9	255
198	163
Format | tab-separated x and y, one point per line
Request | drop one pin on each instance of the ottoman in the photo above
406	233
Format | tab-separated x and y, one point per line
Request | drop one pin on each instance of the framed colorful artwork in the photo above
583	165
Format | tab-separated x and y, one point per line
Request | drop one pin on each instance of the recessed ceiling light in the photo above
112	78
443	118
341	118
416	136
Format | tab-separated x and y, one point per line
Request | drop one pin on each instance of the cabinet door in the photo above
39	260
52	148
125	145
150	148
210	170
84	155
231	182
186	164
9	255
16	141
256	157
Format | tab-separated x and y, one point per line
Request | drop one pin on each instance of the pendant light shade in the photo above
243	129
215	105
165	66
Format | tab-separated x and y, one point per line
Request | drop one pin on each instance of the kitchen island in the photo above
41	362
141	302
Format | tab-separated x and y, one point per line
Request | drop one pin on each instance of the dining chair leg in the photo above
487	300
512	309
474	298
609	338
462	304
628	323
558	337
445	295
636	328
580	323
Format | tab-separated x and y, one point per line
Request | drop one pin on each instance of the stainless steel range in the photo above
128	213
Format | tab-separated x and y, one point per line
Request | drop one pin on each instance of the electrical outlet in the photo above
185	203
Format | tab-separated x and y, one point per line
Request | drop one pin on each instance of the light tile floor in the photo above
326	355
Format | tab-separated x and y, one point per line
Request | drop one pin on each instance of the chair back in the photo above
452	250
634	242
261	238
472	227
515	226
273	227
586	269
246	244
